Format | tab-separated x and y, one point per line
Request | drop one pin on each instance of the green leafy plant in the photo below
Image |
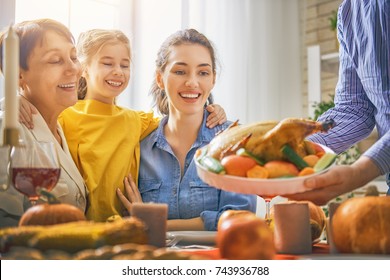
323	106
333	20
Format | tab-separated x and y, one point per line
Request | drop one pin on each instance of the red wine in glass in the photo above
32	166
27	180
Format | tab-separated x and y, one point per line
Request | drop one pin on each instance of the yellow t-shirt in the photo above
104	141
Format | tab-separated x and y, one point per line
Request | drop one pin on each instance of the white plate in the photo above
191	238
261	187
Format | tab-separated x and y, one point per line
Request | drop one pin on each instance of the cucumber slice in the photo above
293	157
200	153
213	165
324	162
245	153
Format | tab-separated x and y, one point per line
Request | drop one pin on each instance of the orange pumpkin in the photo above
51	213
361	225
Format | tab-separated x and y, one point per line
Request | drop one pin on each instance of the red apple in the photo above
228	214
244	237
313	148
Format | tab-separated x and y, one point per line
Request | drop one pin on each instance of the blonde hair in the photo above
186	36
90	43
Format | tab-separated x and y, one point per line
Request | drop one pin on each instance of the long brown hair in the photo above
186	36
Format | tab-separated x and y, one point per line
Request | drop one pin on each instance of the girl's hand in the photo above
132	193
26	110
217	115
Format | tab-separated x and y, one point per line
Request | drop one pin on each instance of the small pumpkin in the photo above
51	213
361	225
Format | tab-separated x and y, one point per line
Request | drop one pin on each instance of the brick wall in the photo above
315	28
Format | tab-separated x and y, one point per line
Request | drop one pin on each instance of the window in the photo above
78	15
154	21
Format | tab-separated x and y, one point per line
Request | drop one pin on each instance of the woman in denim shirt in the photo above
185	76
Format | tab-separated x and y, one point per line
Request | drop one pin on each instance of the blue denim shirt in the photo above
187	197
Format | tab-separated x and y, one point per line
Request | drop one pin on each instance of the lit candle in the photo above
11	78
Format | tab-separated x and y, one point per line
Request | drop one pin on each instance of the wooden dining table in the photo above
319	249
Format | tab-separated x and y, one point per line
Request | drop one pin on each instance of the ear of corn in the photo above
17	236
75	236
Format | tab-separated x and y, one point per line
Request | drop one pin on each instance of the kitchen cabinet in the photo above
317	63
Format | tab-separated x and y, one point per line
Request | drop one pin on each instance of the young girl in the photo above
185	76
104	138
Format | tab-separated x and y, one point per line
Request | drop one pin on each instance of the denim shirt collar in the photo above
204	135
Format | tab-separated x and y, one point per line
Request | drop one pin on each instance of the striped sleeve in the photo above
362	99
380	153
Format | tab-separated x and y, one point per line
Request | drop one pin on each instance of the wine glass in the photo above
32	166
267	200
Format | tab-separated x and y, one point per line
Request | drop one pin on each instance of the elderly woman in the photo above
48	77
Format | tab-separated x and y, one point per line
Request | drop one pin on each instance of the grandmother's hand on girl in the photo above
26	110
217	115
